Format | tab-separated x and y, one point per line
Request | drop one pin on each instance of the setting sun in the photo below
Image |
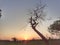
26	37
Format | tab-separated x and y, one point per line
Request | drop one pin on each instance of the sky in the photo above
15	17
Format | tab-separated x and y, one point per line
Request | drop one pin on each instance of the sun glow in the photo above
25	36
28	34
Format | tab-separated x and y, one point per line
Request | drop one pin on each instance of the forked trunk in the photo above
33	25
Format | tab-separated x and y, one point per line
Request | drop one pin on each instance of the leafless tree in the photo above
38	14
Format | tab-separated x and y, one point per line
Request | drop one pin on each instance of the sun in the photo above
27	37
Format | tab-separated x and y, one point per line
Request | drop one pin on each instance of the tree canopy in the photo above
55	27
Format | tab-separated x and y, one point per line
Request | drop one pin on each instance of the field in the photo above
32	42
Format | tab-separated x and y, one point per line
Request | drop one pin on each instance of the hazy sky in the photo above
14	21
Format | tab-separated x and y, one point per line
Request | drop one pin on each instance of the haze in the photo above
15	22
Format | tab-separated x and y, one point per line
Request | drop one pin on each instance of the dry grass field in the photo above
32	42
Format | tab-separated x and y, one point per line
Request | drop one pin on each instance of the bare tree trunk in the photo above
38	14
33	25
43	38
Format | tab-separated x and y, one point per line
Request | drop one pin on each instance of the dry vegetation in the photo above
32	42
